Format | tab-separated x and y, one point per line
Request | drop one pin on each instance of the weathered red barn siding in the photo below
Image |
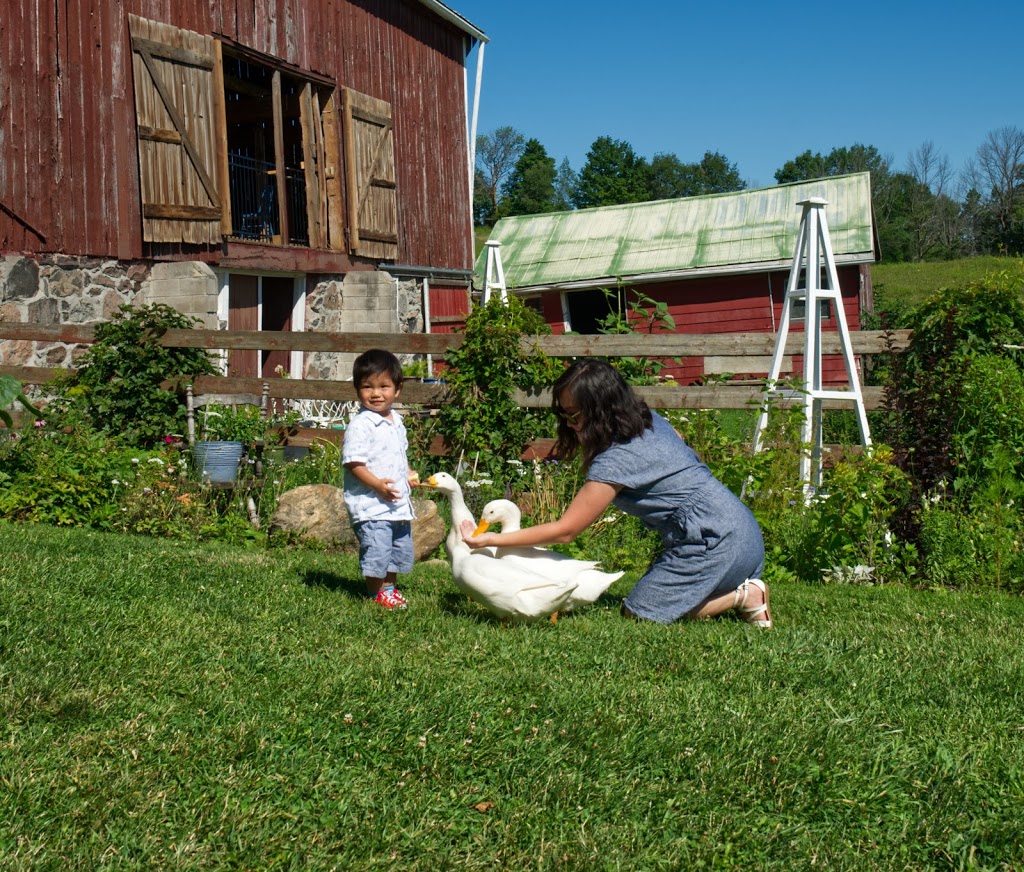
449	305
69	181
27	124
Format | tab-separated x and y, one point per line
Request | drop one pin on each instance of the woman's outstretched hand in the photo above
466	528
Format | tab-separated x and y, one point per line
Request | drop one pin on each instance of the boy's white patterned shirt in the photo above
384	447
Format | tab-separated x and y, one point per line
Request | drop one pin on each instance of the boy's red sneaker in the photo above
390	598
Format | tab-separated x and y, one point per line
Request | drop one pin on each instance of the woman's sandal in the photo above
748	612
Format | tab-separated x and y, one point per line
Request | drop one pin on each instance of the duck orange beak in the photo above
481	528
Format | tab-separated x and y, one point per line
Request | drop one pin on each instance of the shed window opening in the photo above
799	310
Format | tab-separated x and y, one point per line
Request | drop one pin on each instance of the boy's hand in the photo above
414	478
386	491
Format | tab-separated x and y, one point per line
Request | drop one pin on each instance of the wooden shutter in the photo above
313	164
335	209
370	172
179	113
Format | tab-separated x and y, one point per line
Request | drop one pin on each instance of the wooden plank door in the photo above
243	314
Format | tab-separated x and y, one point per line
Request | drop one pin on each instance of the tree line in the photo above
925	211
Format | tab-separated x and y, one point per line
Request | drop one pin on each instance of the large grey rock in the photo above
317	511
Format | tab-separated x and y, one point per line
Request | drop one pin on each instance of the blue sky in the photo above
760	82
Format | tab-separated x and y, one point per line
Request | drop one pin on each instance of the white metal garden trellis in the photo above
812	247
494	273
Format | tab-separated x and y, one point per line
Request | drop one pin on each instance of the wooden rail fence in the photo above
665	345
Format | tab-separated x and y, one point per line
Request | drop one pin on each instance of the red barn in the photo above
268	164
720	263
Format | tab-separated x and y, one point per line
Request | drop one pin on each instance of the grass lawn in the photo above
912	283
175	706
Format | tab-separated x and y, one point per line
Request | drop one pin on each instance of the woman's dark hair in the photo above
610	411
376	361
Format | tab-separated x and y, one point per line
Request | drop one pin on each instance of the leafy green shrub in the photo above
949	554
119	376
66	474
847	523
976	539
480	420
965	356
993	392
10	393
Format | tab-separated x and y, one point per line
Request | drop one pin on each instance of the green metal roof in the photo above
746	231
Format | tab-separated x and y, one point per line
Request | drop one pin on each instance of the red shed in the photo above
719	262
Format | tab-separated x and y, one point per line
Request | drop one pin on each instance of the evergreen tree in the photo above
668	177
613	174
567	184
530	189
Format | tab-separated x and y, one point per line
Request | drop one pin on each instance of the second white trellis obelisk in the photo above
813	256
494	273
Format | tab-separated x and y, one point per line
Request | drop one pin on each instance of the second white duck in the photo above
591	582
510	590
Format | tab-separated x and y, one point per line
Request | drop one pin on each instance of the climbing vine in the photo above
480	420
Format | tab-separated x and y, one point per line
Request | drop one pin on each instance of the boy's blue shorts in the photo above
384	546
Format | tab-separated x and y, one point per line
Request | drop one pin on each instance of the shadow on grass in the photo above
459	606
456	604
353	587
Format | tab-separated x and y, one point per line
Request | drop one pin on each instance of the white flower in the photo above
154	460
135	460
114	481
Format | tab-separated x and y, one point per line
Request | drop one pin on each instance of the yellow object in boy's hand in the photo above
414	479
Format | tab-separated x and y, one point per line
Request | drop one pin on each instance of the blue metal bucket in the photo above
217	461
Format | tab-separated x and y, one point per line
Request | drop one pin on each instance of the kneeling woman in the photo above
713	553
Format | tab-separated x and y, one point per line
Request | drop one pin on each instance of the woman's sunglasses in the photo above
570	418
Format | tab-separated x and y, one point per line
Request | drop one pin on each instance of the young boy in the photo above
378	480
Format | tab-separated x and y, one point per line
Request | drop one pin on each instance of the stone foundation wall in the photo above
78	290
61	290
360	302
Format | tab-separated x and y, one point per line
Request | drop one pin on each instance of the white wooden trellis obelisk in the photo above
494	274
813	246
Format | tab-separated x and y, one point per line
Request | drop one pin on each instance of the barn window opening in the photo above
232	144
269	148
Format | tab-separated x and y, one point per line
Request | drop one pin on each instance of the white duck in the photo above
590	581
508	589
